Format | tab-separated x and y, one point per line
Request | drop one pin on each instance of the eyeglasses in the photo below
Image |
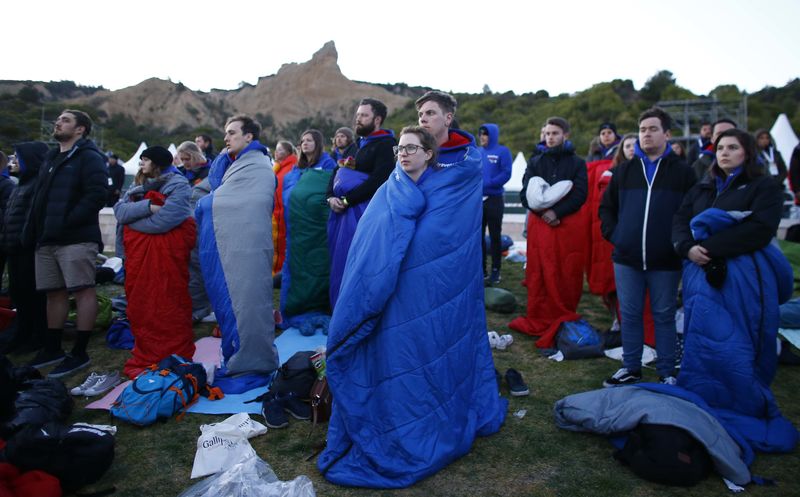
407	149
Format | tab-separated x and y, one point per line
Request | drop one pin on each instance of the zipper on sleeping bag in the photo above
349	334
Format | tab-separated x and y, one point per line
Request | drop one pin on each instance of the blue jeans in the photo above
663	286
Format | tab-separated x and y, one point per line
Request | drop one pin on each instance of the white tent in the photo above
517	172
173	149
785	139
132	165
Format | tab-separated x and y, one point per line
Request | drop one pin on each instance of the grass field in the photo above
528	457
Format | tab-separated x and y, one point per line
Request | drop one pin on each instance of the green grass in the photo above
528	457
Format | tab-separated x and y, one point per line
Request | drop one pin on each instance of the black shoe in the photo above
46	357
494	278
623	377
296	407
516	385
69	365
786	356
272	410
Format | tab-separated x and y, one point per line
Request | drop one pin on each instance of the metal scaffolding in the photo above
689	114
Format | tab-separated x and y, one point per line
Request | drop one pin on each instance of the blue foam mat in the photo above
289	342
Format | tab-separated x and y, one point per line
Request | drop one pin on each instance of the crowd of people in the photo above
382	239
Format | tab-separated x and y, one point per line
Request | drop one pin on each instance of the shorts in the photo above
70	267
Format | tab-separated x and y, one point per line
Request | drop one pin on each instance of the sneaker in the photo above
104	383
69	365
494	278
46	357
504	341
273	412
296	407
668	380
494	339
516	386
87	383
623	377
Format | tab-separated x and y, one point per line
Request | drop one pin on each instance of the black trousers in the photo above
493	218
31	304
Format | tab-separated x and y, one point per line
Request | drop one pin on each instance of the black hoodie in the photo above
30	156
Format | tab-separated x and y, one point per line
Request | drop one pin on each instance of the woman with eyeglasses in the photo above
733	281
305	277
408	361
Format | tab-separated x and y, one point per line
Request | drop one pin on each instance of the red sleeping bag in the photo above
553	276
157	287
599	267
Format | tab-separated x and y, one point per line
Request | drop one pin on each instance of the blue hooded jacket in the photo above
497	162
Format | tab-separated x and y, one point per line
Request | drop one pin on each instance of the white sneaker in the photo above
104	383
87	383
494	339
668	380
504	341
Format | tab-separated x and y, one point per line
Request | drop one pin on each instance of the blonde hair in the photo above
193	151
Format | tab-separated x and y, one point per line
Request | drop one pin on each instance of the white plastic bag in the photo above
222	445
248	478
242	421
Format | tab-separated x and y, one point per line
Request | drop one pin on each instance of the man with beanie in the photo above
344	144
609	141
72	188
496	173
355	181
636	217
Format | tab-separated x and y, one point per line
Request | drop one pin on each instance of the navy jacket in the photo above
554	165
497	162
761	195
71	191
636	217
30	156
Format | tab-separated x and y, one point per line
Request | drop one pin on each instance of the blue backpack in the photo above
165	389
579	340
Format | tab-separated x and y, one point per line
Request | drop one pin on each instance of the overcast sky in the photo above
559	46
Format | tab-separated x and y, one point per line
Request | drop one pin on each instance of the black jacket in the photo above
6	187
794	169
554	165
375	158
71	191
17	213
637	219
761	195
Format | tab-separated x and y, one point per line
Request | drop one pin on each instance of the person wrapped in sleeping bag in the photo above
236	257
305	277
733	282
554	190
408	361
156	233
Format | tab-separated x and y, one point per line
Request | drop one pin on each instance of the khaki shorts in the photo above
70	267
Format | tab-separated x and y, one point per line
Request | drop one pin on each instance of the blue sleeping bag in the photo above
729	356
409	364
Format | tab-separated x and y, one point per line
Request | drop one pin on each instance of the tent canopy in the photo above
785	139
517	172
132	165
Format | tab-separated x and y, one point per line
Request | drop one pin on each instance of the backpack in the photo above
159	392
77	455
665	454
579	340
499	300
297	375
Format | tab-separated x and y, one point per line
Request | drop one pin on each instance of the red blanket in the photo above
553	276
157	287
